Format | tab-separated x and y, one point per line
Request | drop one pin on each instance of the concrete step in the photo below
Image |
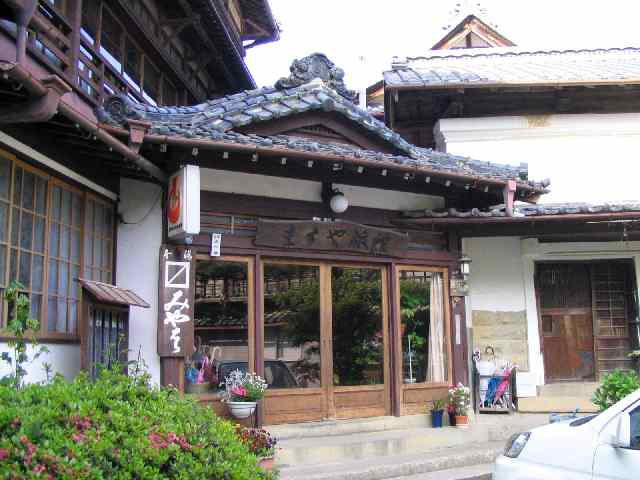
474	472
568	389
448	462
316	450
345	427
556	404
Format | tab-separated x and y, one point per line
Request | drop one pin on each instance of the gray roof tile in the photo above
216	120
504	66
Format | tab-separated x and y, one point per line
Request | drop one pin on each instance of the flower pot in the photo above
436	418
462	421
241	409
266	463
197	388
452	419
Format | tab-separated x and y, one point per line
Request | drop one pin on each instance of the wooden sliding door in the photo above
423	335
325	341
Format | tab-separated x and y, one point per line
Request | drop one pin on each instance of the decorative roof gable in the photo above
472	32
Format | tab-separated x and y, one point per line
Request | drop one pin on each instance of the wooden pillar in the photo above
395	345
326	340
258	330
75	18
459	341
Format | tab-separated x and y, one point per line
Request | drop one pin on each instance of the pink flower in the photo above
39	468
78	437
4	453
239	391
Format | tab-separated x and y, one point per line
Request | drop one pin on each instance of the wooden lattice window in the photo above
65	257
98	241
107	337
28	222
50	234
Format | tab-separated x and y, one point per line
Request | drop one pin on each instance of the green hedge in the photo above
116	428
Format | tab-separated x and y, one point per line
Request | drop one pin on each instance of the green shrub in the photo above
116	428
615	386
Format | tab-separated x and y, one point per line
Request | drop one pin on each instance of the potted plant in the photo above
451	411
260	442
242	392
437	411
460	398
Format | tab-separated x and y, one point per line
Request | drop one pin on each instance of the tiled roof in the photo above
540	210
107	293
505	66
218	120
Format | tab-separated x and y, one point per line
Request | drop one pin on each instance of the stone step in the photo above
474	472
406	467
316	450
345	427
568	389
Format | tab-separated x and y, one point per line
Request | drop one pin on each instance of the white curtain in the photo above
436	362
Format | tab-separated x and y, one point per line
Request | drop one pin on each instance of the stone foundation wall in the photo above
506	332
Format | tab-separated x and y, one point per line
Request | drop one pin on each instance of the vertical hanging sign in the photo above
183	202
176	297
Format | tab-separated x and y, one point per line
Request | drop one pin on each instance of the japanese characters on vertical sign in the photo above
216	243
339	235
176	297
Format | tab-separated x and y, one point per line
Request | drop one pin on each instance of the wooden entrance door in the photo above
358	381
568	344
326	328
585	309
566	321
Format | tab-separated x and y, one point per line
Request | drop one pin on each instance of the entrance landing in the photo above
389	447
561	397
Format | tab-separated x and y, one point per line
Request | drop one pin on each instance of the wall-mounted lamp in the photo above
465	265
334	198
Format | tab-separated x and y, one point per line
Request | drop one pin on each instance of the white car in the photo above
604	446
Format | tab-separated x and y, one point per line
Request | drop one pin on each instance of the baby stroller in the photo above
498	393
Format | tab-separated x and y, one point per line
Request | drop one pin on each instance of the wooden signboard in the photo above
176	301
337	235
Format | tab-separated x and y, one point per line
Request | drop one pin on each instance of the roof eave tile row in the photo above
540	210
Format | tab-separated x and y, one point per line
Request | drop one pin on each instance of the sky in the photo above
362	36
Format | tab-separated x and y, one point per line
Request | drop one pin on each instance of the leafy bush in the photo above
116	427
615	386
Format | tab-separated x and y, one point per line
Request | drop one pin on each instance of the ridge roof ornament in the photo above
314	66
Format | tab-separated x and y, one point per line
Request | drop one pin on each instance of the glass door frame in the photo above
251	324
412	397
334	391
327	390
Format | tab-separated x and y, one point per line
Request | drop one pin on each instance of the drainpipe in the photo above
24	10
43	88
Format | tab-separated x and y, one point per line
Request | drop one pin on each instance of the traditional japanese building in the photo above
257	226
554	286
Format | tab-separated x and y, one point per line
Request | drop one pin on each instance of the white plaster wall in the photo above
496	273
497	284
137	264
64	359
588	157
293	189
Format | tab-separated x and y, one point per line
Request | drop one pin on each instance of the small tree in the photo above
21	328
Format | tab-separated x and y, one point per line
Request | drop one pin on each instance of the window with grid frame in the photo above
47	229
